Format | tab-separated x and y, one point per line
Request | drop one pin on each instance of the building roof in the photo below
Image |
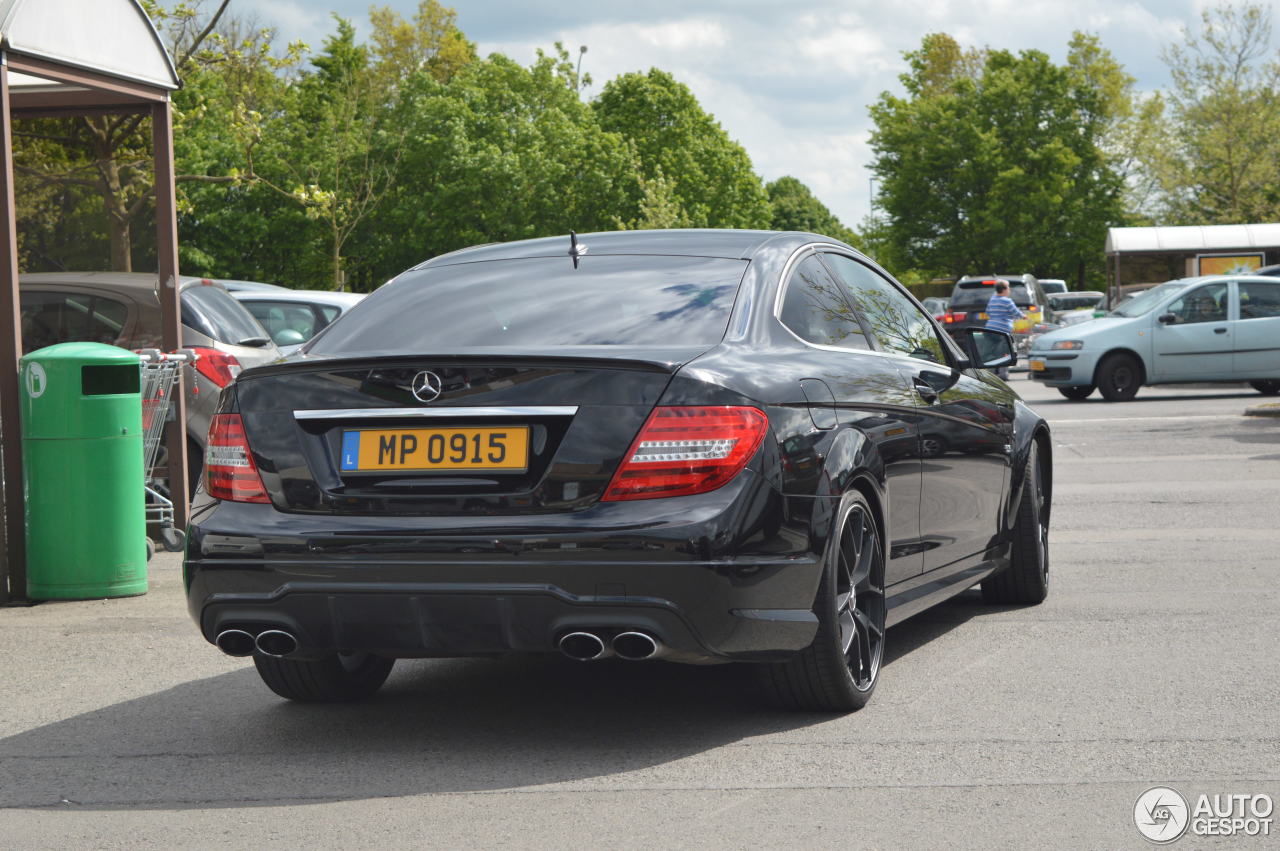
1194	238
113	37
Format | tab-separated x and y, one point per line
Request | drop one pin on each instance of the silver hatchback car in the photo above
1219	328
123	309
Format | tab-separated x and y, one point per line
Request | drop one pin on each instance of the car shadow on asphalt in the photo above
438	726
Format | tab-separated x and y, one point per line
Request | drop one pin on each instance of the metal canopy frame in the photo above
74	89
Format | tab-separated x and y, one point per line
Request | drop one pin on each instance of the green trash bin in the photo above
82	471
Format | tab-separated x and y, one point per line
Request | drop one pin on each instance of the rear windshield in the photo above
976	292
215	314
544	301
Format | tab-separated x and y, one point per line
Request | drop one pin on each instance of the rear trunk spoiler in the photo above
642	358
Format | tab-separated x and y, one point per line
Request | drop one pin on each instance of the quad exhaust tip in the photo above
635	646
277	643
582	646
235	642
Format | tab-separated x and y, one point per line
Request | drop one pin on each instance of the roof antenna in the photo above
576	249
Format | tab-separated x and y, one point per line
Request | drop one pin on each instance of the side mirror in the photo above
1167	318
988	348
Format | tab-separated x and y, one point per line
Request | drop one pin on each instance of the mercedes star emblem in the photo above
427	386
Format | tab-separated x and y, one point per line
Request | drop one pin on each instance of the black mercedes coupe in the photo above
700	446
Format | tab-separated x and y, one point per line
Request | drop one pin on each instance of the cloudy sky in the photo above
790	81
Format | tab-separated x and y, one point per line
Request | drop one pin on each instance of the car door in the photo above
965	423
1256	333
1191	336
869	393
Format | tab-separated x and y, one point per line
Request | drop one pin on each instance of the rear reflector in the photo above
229	470
218	367
682	451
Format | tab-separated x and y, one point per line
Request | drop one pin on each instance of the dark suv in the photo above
969	304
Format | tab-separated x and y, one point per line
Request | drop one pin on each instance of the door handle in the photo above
1219	330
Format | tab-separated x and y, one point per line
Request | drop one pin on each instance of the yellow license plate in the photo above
503	449
1035	365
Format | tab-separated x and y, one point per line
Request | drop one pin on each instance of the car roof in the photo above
128	281
234	285
728	244
302	296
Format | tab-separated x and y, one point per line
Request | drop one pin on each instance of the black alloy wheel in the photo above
1077	393
332	679
1266	388
1119	377
839	671
1026	579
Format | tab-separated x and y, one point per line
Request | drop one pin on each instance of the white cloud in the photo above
680	35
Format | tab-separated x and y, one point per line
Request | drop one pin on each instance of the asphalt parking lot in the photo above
1156	660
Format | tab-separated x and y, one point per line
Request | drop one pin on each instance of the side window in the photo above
1259	299
277	316
1202	304
895	322
51	317
821	310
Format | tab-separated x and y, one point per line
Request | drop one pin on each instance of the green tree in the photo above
999	171
1218	165
231	225
499	152
711	175
795	207
1129	124
431	41
333	148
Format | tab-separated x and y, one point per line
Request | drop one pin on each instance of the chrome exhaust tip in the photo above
235	642
635	646
582	646
277	643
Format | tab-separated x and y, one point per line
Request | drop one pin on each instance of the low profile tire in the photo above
1266	388
1026	579
1076	393
1119	377
334	679
839	671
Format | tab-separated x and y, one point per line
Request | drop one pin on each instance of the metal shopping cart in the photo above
159	384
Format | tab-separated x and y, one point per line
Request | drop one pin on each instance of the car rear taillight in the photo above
229	470
955	316
219	367
682	451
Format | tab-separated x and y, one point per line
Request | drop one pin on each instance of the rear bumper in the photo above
716	577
